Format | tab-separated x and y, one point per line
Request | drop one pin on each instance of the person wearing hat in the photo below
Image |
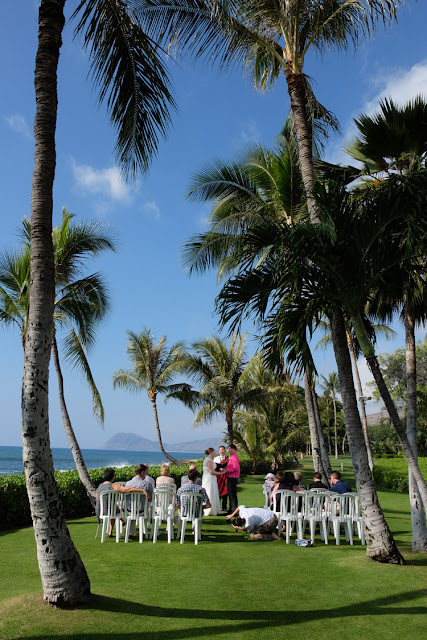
268	484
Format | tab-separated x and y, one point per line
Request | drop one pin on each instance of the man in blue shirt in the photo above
338	485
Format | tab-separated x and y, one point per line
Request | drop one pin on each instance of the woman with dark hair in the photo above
287	482
210	484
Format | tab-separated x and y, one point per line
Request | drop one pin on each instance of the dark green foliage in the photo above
393	473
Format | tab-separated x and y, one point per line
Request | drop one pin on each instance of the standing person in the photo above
221	461
233	475
210	484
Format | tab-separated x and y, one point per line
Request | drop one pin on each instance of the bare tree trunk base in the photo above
393	557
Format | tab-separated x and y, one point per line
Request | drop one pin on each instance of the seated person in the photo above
191	486
261	524
338	485
317	482
110	485
287	483
298	478
185	479
164	480
149	478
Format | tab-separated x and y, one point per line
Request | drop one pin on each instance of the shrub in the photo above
14	500
393	473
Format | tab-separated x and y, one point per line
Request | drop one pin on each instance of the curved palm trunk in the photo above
418	519
380	542
374	367
84	476
362	403
304	135
159	435
314	435
63	575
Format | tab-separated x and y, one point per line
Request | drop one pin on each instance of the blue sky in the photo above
218	115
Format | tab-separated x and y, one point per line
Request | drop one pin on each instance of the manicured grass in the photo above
227	587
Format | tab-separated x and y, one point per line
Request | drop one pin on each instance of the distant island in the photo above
132	441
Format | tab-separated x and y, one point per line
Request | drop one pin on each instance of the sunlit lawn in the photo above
226	587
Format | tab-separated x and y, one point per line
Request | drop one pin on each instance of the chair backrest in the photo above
317	504
108	502
342	505
191	504
284	502
136	505
163	498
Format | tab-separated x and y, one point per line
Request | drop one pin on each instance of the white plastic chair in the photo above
266	493
194	515
109	501
163	511
357	519
136	510
288	511
317	511
341	513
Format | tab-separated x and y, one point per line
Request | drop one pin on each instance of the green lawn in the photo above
227	587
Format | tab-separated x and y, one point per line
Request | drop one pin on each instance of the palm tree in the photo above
260	186
80	303
331	387
128	71
153	368
224	379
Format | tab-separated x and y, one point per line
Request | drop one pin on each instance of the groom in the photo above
232	472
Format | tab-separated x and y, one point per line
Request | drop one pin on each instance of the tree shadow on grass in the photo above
241	621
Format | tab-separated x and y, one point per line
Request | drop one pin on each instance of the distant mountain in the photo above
132	441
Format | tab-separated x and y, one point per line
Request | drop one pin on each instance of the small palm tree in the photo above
80	303
331	387
224	380
153	368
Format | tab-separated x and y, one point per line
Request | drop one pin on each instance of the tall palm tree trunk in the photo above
418	518
362	404
230	430
322	446
374	367
335	427
380	542
63	575
304	135
159	434
314	435
84	476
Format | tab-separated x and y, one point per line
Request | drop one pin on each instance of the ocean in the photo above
11	458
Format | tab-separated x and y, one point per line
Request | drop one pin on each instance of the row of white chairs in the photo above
329	510
134	507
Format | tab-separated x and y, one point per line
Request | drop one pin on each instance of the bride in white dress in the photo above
210	484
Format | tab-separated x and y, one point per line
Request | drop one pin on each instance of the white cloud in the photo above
105	182
401	85
152	209
249	133
18	124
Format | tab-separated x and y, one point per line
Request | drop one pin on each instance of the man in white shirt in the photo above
261	524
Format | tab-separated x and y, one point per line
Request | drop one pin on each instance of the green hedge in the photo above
393	473
15	508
